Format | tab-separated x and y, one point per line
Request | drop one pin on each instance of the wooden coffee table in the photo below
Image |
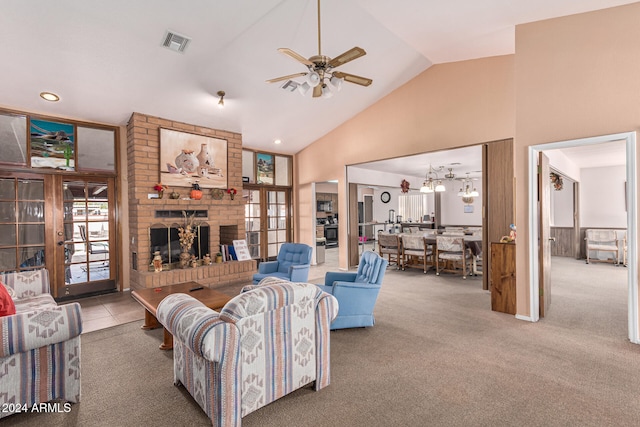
149	298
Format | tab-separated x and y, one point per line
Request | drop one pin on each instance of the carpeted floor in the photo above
437	356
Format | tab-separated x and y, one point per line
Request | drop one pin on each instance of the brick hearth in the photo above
225	217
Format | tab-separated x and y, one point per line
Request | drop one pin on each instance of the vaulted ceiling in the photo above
106	60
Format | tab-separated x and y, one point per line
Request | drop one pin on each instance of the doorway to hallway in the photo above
536	272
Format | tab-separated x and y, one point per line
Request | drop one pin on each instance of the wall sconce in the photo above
221	94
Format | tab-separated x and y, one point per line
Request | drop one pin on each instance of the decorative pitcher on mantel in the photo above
205	159
187	161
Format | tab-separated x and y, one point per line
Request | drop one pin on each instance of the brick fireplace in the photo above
225	217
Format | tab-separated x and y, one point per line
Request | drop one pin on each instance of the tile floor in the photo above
104	311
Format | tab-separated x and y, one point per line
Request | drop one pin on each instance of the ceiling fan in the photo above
321	75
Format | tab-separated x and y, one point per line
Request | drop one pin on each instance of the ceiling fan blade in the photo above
352	78
349	55
317	91
289	77
295	56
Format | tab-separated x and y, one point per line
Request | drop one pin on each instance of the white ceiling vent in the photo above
175	42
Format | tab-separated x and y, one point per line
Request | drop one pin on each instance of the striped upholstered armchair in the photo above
264	344
39	345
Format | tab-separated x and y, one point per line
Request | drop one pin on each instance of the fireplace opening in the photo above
165	239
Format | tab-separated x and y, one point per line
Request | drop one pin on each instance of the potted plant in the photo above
160	187
219	257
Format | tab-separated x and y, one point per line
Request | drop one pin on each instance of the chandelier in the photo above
432	182
466	192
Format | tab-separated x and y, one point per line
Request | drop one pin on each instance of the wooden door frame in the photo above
264	227
544	246
632	224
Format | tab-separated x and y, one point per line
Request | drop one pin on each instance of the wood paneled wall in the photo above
564	241
499	196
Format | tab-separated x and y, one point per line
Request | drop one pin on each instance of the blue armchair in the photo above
356	292
293	263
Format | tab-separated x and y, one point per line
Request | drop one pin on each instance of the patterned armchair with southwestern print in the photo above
39	344
265	343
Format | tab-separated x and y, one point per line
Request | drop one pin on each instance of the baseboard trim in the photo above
525	318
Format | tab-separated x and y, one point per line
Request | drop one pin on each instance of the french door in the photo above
267	220
63	224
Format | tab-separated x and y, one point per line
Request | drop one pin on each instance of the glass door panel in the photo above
277	219
87	239
252	215
268	222
22	224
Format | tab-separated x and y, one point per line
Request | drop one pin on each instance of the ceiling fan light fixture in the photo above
221	94
336	83
313	79
304	88
326	91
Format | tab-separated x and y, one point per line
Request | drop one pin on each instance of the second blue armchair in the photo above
293	263
356	292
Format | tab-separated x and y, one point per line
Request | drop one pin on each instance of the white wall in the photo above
327	187
602	197
452	208
560	162
562	205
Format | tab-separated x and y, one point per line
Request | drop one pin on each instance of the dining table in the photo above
471	241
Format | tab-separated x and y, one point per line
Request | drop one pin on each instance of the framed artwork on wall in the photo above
52	145
187	158
264	165
468	208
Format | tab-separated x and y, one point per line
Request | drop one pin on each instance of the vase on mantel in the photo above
185	259
157	262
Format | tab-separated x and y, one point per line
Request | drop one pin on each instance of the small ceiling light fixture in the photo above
432	182
277	141
221	94
466	191
49	96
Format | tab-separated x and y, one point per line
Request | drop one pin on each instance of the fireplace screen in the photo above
165	240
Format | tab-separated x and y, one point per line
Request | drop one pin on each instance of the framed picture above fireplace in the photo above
187	158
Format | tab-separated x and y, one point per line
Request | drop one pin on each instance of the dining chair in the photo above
451	254
391	246
416	252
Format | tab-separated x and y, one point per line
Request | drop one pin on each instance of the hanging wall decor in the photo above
556	180
404	186
187	156
52	145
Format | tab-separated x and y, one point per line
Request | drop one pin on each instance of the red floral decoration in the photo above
160	187
232	192
404	186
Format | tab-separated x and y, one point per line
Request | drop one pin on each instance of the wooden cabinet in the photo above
329	197
319	231
503	277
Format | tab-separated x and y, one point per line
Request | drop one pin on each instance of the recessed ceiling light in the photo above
49	96
277	141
